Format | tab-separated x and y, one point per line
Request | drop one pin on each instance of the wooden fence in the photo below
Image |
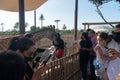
66	68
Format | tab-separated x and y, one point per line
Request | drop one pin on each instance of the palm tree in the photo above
41	18
2	26
16	26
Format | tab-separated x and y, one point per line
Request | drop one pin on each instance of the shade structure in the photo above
20	6
12	5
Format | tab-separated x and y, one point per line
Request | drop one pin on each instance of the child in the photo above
102	56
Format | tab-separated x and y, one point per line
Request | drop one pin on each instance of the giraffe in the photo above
48	32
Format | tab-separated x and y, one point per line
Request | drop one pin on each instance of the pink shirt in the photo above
94	42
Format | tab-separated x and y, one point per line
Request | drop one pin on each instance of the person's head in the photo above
91	33
13	45
117	28
28	35
116	33
26	47
88	30
102	38
84	36
58	35
12	66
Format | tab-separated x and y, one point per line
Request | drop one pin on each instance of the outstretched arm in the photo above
37	74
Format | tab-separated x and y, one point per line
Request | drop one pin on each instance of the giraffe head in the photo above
45	32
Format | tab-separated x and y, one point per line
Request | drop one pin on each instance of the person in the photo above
117	28
84	54
59	45
116	37
12	66
92	36
13	44
30	36
25	48
114	49
102	56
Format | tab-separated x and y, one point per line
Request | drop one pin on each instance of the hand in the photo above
113	57
83	48
39	72
112	51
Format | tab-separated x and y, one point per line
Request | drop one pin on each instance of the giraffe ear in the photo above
54	27
50	26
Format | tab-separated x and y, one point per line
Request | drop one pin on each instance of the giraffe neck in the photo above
47	33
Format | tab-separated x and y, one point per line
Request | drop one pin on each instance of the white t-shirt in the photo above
113	65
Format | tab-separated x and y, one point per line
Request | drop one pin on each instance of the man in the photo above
30	36
117	28
12	66
26	49
116	37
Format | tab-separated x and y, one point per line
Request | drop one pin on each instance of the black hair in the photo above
88	30
117	26
21	44
12	66
28	35
92	31
103	35
116	36
13	45
85	35
24	44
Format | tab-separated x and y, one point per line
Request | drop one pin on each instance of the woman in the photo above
102	56
84	51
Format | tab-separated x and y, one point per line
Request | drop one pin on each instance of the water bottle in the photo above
97	64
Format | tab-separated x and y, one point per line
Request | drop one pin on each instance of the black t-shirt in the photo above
85	44
29	72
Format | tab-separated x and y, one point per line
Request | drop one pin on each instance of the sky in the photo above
64	11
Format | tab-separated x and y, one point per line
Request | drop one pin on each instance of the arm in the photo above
102	56
113	52
37	74
88	49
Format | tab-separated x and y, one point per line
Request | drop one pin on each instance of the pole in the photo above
35	18
75	19
2	26
21	17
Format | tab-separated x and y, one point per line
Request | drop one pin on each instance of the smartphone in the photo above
106	47
46	55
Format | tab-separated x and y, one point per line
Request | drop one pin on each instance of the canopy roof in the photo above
12	5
